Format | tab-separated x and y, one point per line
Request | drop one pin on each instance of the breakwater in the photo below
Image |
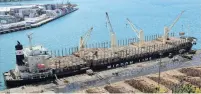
24	27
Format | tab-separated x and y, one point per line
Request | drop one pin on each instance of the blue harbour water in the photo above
149	15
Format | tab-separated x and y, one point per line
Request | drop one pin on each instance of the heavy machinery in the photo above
112	33
139	33
167	29
84	39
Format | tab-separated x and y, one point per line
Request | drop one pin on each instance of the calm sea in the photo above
149	15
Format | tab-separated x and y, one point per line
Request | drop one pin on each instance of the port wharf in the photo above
36	24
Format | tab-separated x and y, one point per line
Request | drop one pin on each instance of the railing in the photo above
120	43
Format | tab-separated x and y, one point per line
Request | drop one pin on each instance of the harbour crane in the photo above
167	29
139	33
112	33
84	38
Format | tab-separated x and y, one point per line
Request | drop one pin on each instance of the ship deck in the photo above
97	54
131	49
66	61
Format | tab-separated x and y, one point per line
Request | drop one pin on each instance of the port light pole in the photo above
159	71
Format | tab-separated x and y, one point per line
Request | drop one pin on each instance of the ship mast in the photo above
30	40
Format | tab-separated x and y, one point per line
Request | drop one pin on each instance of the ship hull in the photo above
35	81
16	83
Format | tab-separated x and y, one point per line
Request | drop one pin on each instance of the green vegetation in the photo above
161	90
186	88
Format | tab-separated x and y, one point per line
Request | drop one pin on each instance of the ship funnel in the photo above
19	54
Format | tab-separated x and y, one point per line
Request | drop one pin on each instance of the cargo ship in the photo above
35	64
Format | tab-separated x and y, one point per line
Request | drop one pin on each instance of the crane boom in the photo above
140	33
84	38
176	20
133	27
112	33
167	29
108	21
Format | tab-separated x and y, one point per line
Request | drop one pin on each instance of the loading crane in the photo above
112	33
167	29
84	38
139	33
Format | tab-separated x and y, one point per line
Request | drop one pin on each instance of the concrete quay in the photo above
34	25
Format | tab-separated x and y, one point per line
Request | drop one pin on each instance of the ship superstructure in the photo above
30	63
33	64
